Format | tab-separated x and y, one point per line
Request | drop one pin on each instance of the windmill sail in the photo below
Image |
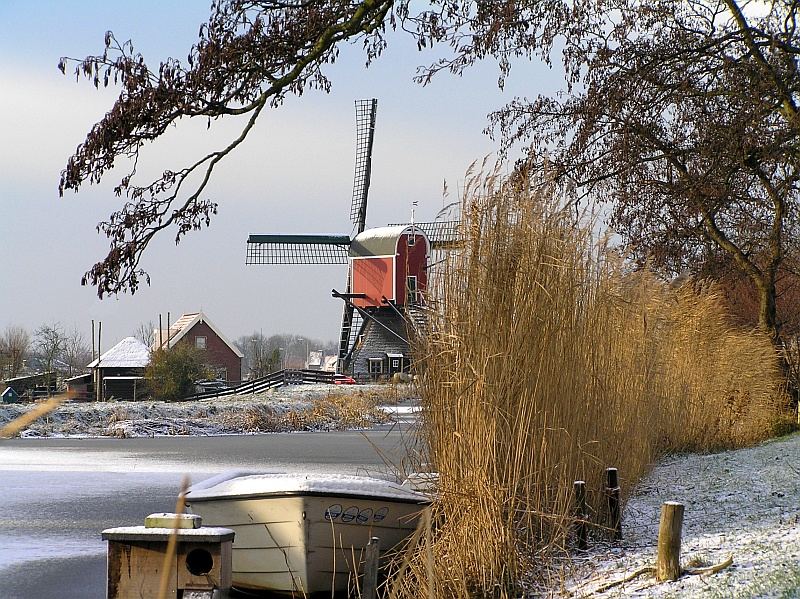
352	323
297	249
365	133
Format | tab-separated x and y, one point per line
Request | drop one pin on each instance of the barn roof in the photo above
128	353
381	241
184	324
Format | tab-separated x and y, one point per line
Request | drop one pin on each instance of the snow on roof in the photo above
382	241
274	483
128	353
183	325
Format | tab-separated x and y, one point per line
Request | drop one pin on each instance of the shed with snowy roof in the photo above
194	328
119	373
10	396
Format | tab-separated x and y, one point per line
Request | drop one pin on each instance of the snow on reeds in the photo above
547	360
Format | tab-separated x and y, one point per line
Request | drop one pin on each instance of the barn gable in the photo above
196	329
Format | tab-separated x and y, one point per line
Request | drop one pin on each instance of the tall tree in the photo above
14	345
49	341
145	333
261	355
684	119
76	352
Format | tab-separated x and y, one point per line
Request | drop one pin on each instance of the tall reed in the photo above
546	361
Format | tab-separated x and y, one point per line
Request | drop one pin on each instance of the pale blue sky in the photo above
293	175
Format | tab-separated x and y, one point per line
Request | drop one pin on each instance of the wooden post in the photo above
612	494
580	514
668	563
98	369
370	584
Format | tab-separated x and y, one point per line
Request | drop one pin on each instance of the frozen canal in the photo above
57	495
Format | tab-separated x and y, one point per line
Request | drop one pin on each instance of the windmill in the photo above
388	268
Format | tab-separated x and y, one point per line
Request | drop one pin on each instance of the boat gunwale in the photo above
422	501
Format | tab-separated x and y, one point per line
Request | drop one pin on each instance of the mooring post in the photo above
370	584
668	562
612	494
580	514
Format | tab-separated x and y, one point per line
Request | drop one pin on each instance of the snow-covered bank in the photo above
289	408
742	503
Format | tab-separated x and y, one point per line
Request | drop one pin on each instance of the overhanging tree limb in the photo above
244	46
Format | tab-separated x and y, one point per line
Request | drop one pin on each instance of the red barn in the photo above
389	262
196	329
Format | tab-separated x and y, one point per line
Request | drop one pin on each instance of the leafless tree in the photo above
14	345
145	331
261	354
683	117
76	353
49	341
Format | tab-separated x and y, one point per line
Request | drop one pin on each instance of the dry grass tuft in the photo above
547	362
118	414
251	419
335	411
357	410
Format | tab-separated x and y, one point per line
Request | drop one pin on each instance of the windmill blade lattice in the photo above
297	249
365	133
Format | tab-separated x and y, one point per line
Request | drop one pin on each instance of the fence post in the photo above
580	514
668	562
612	494
370	584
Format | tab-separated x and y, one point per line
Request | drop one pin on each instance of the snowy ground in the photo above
289	408
742	503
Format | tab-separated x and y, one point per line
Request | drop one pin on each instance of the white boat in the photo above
302	534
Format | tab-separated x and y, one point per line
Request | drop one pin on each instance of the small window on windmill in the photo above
375	365
412	239
200	342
